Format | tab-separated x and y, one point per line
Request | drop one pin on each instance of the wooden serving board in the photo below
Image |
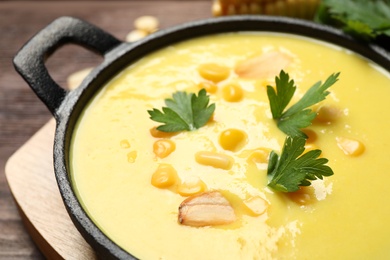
30	176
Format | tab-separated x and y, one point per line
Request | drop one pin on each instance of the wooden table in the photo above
22	113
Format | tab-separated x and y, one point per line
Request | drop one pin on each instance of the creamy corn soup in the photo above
132	178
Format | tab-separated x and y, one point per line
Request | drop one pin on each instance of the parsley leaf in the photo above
365	19
298	116
280	98
292	169
184	112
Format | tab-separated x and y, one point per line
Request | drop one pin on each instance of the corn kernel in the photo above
311	135
269	9
262	83
190	186
232	139
254	8
216	8
208	86
136	35
211	119
310	147
163	148
280	8
146	23
160	134
232	92
131	156
231	10
350	146
216	160
243	9
125	144
291	8
256	205
260	155
214	72
164	177
327	114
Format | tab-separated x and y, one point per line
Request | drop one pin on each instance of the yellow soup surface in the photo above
116	153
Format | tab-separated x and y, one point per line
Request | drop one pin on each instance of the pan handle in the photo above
29	62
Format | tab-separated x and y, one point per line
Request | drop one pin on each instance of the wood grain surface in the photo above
22	113
38	199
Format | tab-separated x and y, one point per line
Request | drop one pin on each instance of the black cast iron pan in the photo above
67	106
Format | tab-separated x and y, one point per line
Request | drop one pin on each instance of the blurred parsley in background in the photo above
363	19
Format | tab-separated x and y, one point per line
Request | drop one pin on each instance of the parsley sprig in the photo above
364	19
292	169
298	116
184	112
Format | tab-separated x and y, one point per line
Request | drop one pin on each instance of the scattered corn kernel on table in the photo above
22	113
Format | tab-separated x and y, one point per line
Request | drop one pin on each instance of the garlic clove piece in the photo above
263	66
206	209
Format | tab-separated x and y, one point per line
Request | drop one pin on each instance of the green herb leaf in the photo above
299	115
184	112
292	169
280	97
365	19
